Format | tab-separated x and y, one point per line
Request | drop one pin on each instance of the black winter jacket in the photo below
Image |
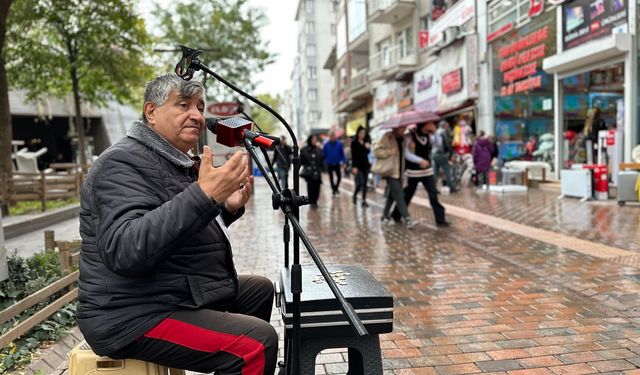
151	242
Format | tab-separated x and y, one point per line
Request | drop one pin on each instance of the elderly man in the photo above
157	279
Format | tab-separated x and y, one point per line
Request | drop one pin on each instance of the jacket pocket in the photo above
217	294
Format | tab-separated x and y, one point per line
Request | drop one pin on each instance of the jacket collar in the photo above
148	137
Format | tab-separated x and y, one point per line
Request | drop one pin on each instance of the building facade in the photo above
313	84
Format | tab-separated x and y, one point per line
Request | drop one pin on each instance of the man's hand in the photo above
354	170
240	197
221	182
424	164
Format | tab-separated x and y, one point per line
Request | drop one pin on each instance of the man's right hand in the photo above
219	183
424	164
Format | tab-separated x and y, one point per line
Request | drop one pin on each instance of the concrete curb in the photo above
43	220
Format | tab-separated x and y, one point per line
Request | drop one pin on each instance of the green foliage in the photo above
27	276
32	207
228	32
103	42
264	119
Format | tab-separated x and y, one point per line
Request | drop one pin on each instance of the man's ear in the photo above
149	112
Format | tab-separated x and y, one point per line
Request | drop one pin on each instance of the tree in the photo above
5	112
264	119
226	30
93	50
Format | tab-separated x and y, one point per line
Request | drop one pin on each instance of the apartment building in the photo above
316	35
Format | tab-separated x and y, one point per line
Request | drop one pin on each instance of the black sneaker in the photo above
364	204
444	224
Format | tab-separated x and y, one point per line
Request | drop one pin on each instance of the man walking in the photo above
282	160
441	153
417	150
335	159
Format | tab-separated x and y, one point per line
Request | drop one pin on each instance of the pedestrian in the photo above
482	150
360	147
442	153
389	151
282	160
157	280
335	159
312	160
417	144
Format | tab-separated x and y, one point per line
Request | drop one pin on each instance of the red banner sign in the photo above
423	38
500	32
522	62
535	7
452	82
223	108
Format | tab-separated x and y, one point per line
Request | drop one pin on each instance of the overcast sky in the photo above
280	32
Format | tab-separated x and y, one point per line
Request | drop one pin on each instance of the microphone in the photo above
232	131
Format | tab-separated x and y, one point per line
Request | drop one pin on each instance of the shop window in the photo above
601	89
523	92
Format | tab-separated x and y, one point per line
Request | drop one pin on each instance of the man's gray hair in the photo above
158	90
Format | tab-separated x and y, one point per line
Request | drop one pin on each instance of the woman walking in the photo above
360	147
312	160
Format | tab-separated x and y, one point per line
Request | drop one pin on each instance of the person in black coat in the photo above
312	160
157	279
282	160
360	147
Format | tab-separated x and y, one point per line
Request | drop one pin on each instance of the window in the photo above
405	42
313	95
384	51
309	27
311	72
311	50
308	6
313	116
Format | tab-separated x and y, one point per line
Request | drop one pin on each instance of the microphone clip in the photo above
189	63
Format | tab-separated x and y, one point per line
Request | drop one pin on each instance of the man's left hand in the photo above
240	197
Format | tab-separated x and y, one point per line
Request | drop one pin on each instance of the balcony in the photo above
387	63
360	44
390	11
359	88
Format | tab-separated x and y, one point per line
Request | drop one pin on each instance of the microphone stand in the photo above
289	201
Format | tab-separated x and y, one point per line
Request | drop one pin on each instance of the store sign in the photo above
425	88
452	81
535	7
384	101
586	20
423	38
521	62
424	83
458	15
223	108
500	32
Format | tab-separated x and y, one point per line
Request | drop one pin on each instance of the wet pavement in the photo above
473	298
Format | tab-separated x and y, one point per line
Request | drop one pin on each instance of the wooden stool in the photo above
83	361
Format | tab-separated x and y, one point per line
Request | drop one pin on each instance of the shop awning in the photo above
457	109
583	58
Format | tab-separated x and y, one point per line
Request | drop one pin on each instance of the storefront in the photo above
452	38
595	71
523	93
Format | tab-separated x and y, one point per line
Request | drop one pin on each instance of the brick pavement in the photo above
469	299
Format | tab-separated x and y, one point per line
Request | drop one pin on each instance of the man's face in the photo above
332	137
429	128
179	120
